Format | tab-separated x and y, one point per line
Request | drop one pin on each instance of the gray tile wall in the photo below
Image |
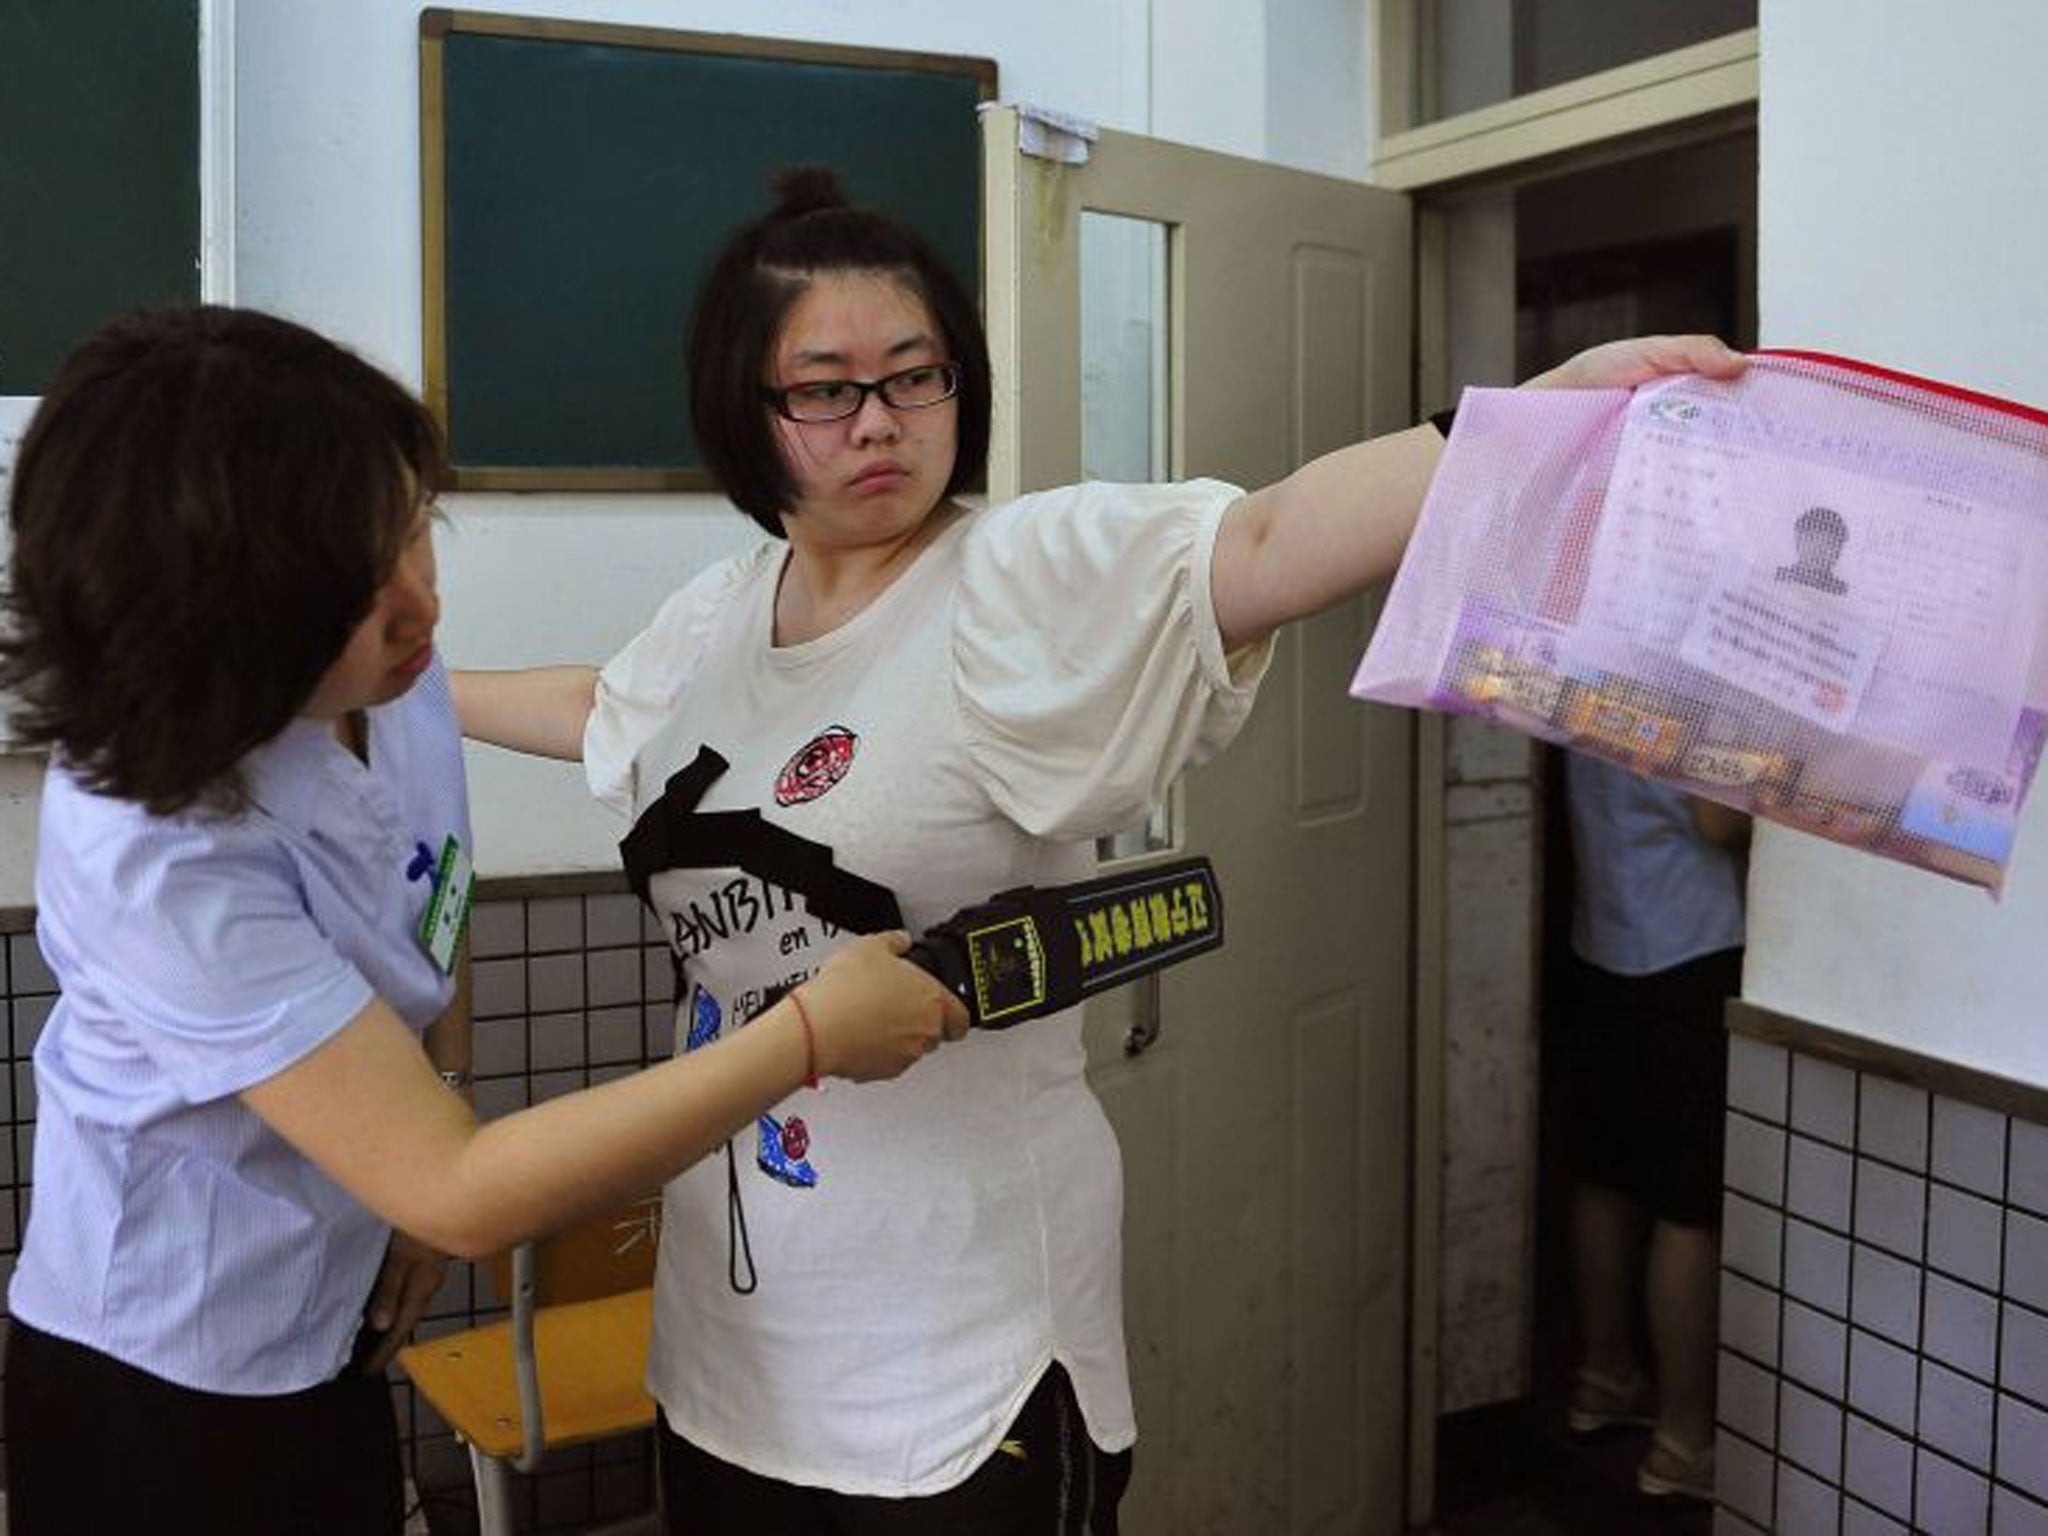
571	989
1884	1307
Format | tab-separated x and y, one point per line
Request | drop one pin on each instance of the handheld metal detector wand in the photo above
1032	951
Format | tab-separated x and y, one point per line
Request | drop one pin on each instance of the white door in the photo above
1265	1134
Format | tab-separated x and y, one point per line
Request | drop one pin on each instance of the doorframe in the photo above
1690	94
1665	90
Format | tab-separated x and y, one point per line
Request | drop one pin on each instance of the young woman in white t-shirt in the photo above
251	1151
896	1308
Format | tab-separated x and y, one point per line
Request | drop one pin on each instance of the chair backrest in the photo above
602	1255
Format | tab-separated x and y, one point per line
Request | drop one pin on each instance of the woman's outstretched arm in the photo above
1340	523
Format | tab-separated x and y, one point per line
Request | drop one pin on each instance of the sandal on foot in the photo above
1600	1402
1669	1470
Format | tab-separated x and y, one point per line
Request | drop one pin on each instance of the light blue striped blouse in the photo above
196	957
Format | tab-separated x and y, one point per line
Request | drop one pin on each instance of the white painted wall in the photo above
1316	118
1902	220
327	231
1209	71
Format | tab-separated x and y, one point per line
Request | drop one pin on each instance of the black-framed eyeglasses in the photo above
911	389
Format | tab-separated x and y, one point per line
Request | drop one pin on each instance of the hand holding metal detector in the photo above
1034	950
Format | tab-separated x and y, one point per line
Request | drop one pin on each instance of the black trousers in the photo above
99	1448
1047	1480
1646	1071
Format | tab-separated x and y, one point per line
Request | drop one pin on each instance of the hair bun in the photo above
808	189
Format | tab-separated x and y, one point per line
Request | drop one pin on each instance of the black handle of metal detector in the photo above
949	964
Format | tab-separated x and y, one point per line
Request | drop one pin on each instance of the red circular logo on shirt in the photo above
819	763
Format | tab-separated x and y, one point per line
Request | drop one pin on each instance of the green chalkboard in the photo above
577	182
99	171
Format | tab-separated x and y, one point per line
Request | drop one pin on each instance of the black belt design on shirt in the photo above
673	834
1021	955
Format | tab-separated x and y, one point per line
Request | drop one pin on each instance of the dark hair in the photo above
205	505
760	272
1823	522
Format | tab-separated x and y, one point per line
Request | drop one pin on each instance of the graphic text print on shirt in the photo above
754	910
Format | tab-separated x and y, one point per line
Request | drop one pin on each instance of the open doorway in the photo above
1665	244
1653	242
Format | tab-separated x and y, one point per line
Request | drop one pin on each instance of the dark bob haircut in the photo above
205	505
759	274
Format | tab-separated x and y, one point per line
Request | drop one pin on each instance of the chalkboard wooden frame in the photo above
461	369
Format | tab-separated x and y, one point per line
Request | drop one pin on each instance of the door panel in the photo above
1265	1134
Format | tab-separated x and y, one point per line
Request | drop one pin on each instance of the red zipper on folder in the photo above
1914	380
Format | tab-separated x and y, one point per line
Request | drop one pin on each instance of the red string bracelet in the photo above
803	1017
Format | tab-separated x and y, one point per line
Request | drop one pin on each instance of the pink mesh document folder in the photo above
1818	593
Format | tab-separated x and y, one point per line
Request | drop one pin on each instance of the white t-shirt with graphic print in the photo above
921	1249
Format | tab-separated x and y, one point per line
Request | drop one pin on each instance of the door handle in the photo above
1144	1031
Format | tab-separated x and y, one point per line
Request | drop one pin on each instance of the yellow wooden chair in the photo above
567	1367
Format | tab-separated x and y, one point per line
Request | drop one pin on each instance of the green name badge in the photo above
447	914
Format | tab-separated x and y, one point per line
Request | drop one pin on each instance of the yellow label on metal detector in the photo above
1008	965
1032	951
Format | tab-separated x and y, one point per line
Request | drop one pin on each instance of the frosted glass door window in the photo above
1123	348
1124	397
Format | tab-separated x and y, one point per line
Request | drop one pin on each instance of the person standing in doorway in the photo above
1657	935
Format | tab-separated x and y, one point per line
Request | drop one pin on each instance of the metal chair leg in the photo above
493	1494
